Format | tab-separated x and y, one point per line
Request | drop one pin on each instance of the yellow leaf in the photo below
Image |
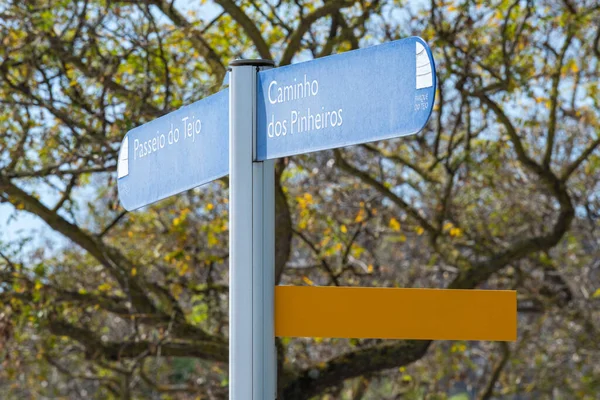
343	229
370	269
133	271
177	290
394	224
572	64
130	234
212	240
419	230
105	287
596	293
38	285
360	216
209	206
176	221
458	348
307	280
455	232
184	268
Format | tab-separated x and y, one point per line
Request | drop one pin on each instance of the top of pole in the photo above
259	62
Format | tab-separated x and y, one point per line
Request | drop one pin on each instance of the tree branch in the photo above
426	175
514	136
283	224
251	30
305	24
112	224
554	102
584	155
322	260
60	50
55	170
489	390
385	356
114	351
380	187
110	258
198	41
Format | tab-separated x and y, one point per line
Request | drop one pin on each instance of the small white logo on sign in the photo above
424	75
123	164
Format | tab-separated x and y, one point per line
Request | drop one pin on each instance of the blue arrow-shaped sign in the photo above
176	152
356	97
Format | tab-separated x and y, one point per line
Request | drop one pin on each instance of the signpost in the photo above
360	96
252	357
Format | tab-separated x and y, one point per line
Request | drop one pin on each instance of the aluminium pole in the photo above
252	358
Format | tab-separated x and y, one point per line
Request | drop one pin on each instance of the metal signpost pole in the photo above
252	365
322	104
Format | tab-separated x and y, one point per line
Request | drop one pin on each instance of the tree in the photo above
499	191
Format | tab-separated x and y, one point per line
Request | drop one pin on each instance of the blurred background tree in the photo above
500	191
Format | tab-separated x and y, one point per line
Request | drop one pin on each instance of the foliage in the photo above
501	190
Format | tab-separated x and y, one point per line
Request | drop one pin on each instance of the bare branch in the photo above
372	359
114	351
322	260
197	39
584	156
110	258
112	224
489	390
55	170
554	94
60	48
249	26
380	187
296	38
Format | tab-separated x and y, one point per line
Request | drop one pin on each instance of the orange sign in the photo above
387	313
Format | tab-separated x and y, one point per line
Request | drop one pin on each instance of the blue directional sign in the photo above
176	152
360	96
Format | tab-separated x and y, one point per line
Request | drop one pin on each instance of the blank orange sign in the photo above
386	313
